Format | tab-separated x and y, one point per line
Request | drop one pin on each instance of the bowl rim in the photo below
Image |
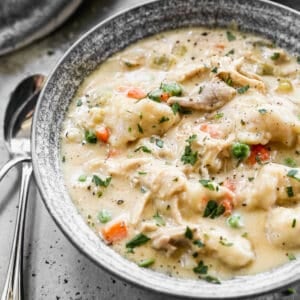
36	172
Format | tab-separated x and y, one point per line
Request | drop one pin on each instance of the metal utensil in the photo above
17	114
17	127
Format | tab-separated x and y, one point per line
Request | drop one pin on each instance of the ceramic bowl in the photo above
268	19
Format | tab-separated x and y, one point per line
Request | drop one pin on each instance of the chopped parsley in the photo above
211	279
173	89
104	216
199	243
215	70
155	95
142	173
228	81
188	233
208	184
262	111
145	263
250	179
143	148
99	182
290	162
82	178
191	138
90	137
219	115
235	221
293	173
200	89
159	143
275	56
230	36
289	191
140	128
137	241
79	102
291	256
298	59
189	156
213	209
175	108
163	119
230	52
224	242
294	223
243	89
201	268
159	220
63	159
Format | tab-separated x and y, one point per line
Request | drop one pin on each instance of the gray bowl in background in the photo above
262	17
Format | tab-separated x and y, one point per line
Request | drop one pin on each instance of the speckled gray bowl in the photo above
271	20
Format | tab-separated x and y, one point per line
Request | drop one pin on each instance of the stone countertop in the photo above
53	268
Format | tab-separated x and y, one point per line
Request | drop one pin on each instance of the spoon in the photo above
19	109
17	126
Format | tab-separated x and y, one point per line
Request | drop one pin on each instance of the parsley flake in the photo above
215	70
143	148
290	191
188	233
243	89
163	119
230	36
159	220
213	209
137	241
275	56
100	182
201	268
262	111
208	184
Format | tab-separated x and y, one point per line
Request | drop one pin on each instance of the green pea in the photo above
240	150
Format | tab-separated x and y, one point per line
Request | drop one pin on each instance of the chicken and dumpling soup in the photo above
182	152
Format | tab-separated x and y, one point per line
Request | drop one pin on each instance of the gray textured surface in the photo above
53	268
23	21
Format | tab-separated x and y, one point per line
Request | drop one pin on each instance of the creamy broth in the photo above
182	153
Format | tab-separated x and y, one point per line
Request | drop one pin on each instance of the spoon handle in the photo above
13	284
11	163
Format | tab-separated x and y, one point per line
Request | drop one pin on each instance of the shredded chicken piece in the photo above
229	68
187	72
232	249
214	95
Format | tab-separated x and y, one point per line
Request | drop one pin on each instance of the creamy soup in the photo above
182	152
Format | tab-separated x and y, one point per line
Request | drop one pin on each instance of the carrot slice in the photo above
136	93
259	153
230	184
102	134
164	97
210	129
115	232
228	205
220	46
112	152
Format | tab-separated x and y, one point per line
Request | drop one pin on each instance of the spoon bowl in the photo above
17	120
